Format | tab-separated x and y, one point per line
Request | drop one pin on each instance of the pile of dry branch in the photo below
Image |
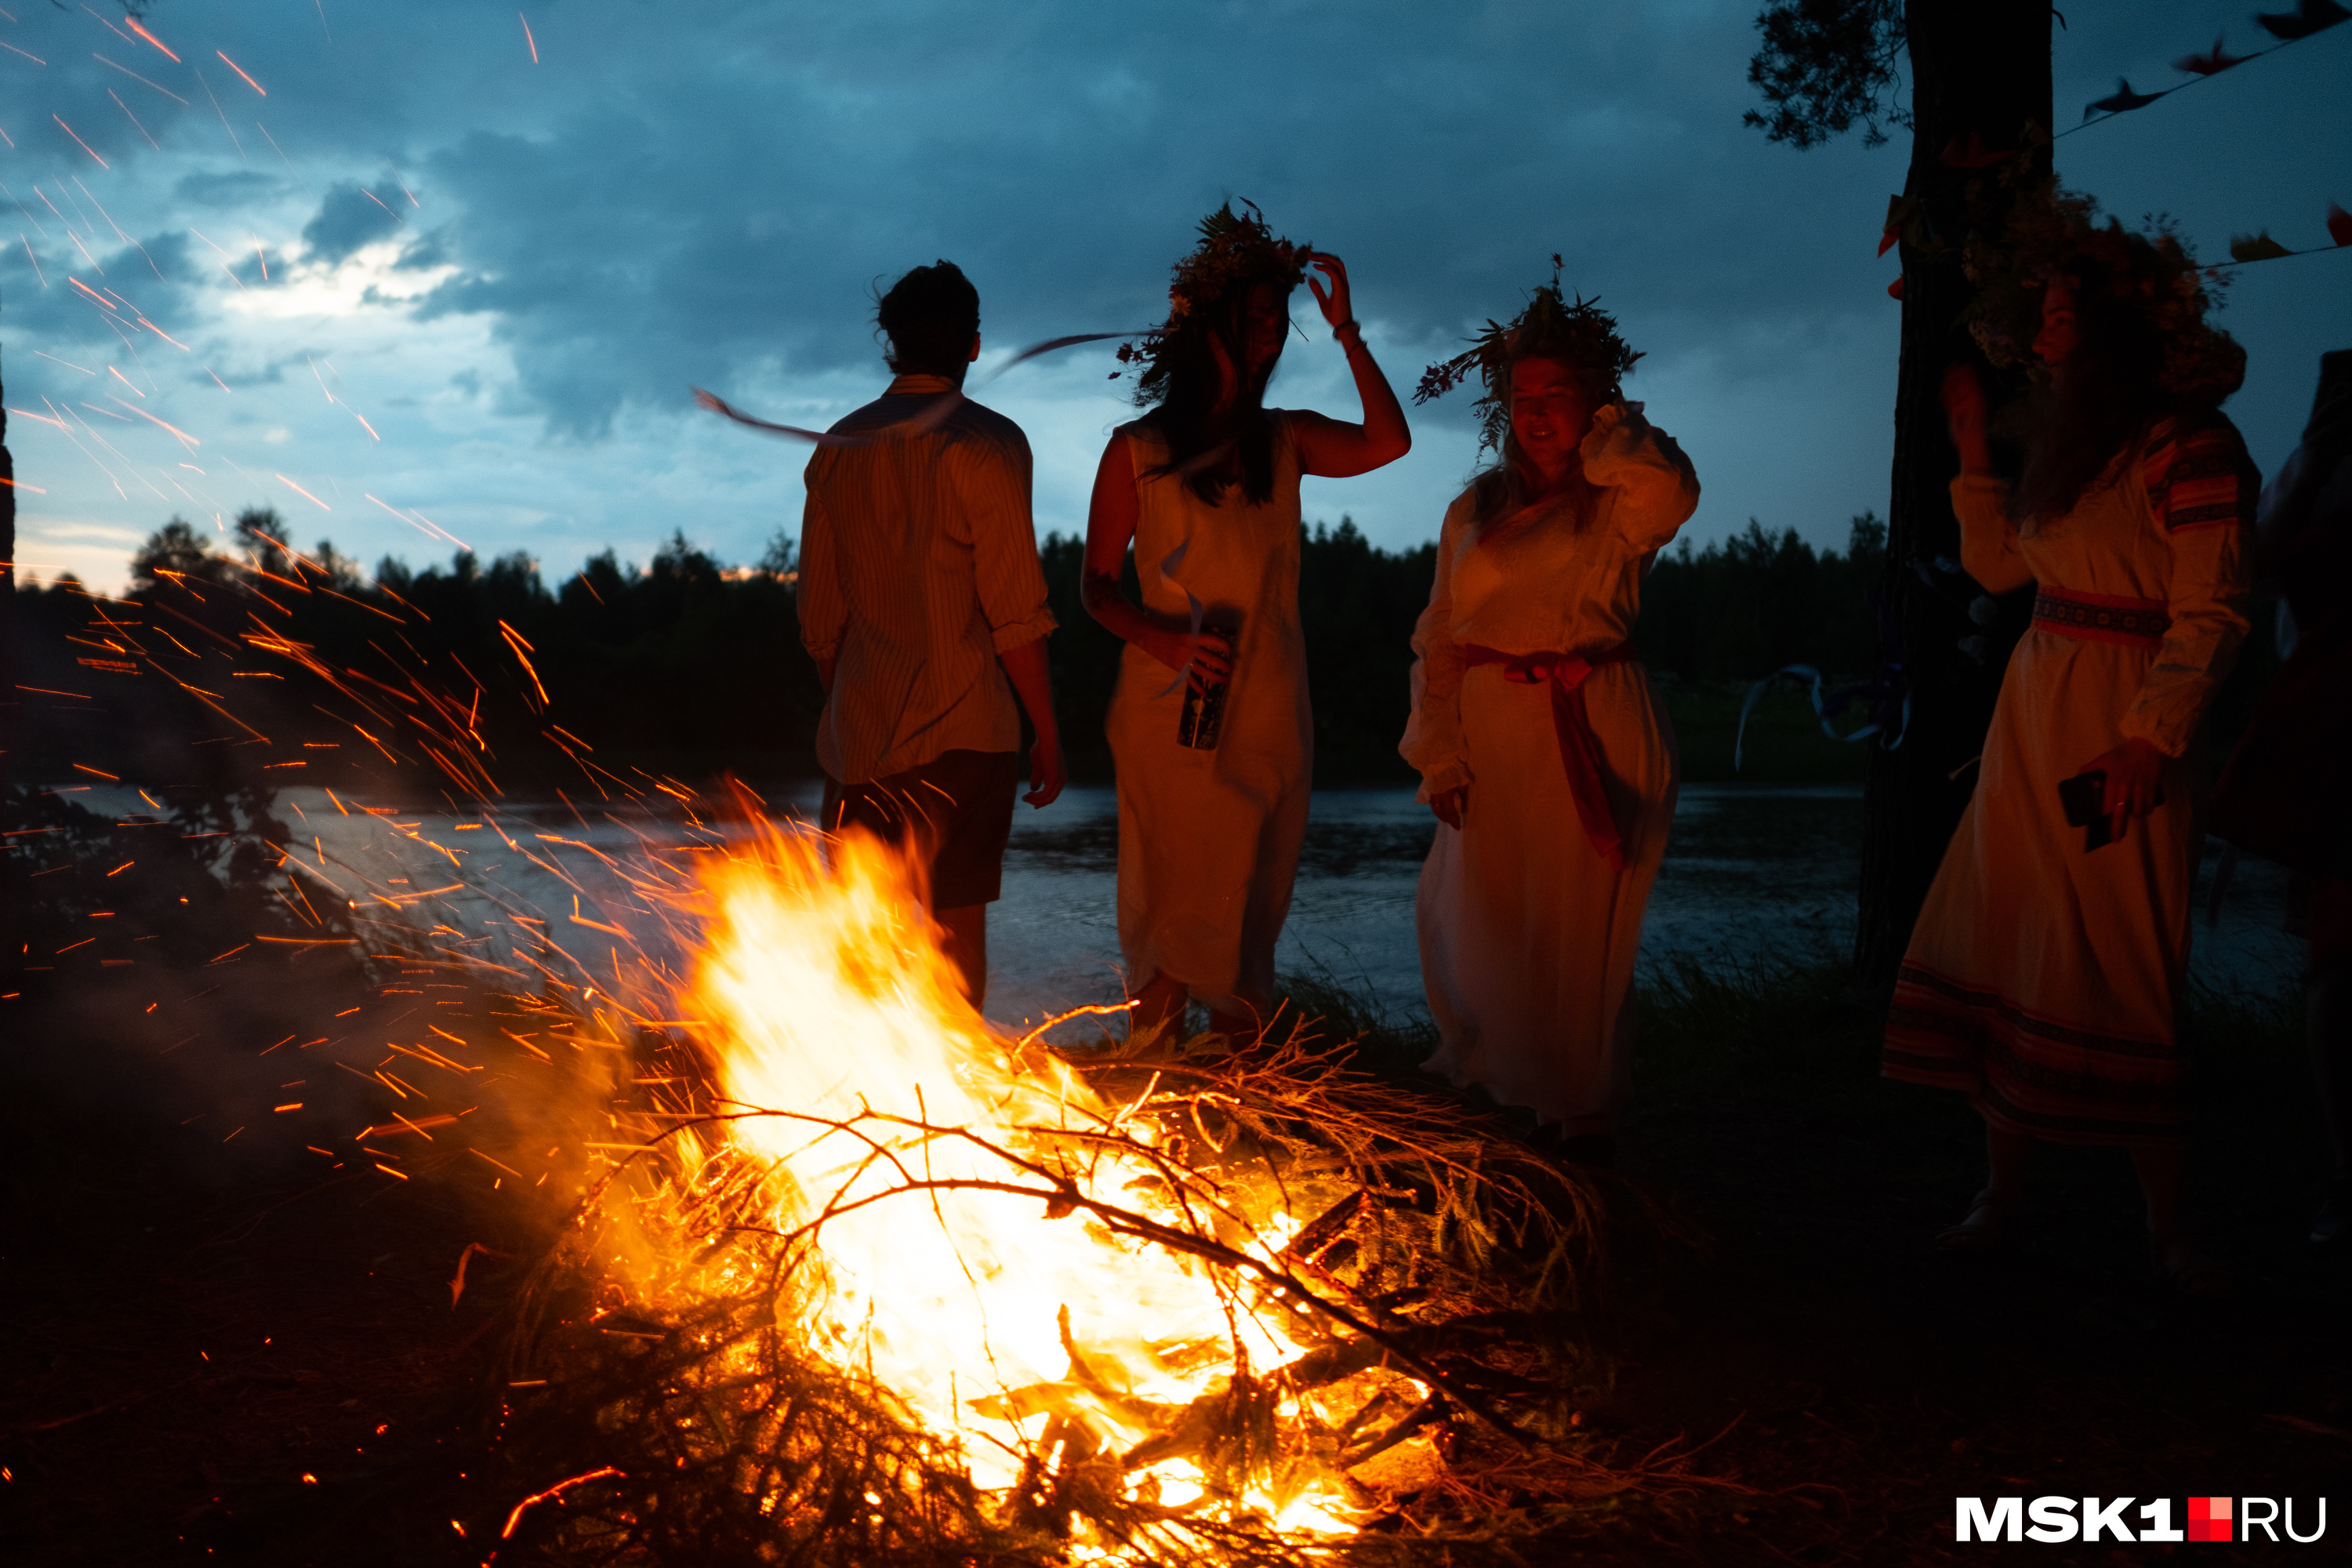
660	1366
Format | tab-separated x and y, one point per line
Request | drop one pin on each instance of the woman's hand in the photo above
1451	806
2134	771
1338	308
1964	413
1209	655
1328	447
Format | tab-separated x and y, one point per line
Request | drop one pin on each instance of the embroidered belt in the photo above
2102	617
1579	752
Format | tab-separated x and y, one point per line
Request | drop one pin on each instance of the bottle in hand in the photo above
1202	716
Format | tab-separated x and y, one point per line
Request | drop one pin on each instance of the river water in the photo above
1752	872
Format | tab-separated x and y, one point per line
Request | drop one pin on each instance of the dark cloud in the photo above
705	195
352	216
727	214
424	253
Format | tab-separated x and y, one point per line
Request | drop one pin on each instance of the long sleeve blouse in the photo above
2191	488
919	567
1566	579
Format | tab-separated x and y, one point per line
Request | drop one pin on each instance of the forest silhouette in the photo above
617	674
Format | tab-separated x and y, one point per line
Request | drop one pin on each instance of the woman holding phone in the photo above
2044	977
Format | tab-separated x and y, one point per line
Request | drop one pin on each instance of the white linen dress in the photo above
1528	933
2043	978
1209	840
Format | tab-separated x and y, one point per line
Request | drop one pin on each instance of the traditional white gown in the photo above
1209	840
2043	978
1528	932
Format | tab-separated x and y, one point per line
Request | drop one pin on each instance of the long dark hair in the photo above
2078	416
1183	383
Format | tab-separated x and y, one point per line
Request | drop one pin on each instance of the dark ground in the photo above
260	1361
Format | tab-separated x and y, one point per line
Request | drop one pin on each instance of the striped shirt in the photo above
918	566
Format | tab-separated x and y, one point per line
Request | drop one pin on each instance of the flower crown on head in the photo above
1236	249
1577	332
2049	228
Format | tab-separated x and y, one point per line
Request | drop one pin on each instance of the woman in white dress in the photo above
1543	749
1205	489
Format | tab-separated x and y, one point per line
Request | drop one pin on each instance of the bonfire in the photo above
868	1281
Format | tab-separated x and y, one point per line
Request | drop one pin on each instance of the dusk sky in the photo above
491	279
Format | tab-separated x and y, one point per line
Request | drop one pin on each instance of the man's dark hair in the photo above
930	316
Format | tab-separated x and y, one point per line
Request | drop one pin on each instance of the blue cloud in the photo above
351	217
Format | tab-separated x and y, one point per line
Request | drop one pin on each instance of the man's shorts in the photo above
957	809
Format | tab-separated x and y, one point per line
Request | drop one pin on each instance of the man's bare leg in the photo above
967	947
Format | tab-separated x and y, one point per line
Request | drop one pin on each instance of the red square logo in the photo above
2208	1519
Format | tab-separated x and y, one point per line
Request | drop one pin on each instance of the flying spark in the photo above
134	76
134	119
305	495
79	143
152	38
241	71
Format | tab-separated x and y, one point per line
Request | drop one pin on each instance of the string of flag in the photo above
2309	17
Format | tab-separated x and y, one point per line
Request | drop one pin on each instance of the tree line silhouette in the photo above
478	676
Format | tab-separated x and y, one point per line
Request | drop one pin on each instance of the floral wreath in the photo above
2049	227
1577	332
1235	248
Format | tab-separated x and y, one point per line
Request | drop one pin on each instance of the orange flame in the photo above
916	1144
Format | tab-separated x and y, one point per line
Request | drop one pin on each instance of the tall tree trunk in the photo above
1980	67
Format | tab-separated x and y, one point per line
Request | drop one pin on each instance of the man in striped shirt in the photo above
923	604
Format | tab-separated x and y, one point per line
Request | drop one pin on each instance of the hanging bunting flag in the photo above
2121	102
2212	63
2260	247
1898	213
2311	16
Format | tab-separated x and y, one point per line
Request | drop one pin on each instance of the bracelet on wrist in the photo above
1349	331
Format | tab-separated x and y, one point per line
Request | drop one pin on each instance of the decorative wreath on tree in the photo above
1237	250
2048	228
1577	332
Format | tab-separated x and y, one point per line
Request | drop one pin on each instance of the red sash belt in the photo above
2102	617
1579	753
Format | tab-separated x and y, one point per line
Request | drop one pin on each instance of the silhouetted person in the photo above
2287	792
922	601
1205	486
2045	975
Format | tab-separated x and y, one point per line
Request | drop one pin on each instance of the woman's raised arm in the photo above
1331	448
